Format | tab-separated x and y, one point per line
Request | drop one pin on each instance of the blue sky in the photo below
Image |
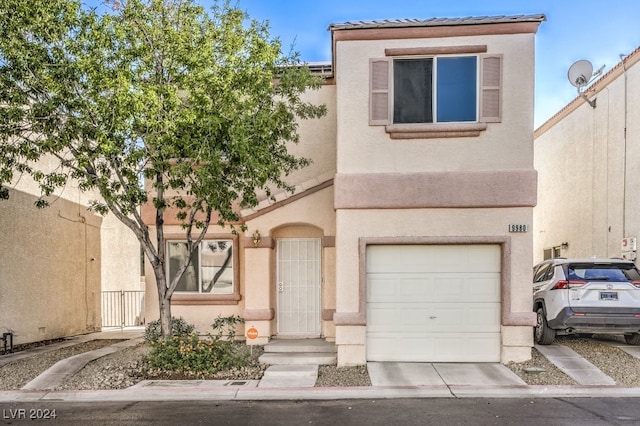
598	31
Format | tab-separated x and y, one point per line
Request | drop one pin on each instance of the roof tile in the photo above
434	22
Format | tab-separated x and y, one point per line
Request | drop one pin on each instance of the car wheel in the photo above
632	339
543	335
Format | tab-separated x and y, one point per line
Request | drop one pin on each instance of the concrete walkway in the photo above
298	375
62	370
634	351
113	334
574	366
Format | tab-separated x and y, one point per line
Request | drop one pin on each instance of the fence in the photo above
122	308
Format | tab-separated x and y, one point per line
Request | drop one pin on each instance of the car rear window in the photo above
602	272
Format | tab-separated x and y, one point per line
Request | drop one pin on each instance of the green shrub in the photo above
226	326
195	355
179	327
198	355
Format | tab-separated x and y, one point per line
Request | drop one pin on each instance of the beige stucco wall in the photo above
74	234
364	151
435	226
363	148
317	143
121	257
50	261
307	211
589	171
309	216
120	249
317	138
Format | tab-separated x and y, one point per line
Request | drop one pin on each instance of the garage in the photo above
433	303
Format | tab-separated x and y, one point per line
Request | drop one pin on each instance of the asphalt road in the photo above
435	411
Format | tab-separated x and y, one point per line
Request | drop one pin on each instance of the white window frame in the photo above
489	98
434	89
225	267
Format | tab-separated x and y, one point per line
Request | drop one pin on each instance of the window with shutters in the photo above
418	96
435	90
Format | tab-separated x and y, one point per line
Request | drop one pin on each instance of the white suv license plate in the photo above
609	295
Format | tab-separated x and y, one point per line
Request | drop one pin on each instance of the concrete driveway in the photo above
449	374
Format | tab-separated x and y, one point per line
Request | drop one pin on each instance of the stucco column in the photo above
328	289
259	310
349	317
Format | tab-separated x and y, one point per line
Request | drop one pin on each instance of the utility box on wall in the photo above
628	248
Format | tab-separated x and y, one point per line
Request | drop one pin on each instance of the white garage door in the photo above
433	303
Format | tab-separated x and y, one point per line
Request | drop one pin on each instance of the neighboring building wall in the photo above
588	161
435	183
121	260
49	269
56	261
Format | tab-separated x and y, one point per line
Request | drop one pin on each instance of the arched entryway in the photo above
298	281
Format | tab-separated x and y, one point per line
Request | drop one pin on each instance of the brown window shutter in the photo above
379	91
491	89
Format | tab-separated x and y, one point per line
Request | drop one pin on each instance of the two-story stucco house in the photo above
588	159
409	237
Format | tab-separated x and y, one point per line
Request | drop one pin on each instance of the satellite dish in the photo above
580	73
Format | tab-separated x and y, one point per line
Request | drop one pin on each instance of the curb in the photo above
200	392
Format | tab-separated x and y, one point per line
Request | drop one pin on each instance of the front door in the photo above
298	287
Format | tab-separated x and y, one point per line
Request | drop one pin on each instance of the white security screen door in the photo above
298	287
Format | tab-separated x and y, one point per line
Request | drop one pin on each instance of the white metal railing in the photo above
122	308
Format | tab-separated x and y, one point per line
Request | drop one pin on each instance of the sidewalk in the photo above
388	379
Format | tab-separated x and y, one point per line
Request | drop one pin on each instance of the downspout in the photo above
624	136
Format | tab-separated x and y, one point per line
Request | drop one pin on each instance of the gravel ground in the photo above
126	367
16	374
540	371
330	375
617	364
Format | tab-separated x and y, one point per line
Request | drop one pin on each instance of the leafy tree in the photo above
201	104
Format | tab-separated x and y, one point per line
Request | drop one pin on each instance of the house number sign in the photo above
518	228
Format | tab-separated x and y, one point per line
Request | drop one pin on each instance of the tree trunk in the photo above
165	317
164	292
164	300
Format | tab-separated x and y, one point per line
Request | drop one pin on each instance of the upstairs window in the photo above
435	90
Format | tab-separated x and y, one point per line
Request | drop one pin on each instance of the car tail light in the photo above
636	283
568	284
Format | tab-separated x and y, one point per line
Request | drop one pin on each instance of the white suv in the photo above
586	296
